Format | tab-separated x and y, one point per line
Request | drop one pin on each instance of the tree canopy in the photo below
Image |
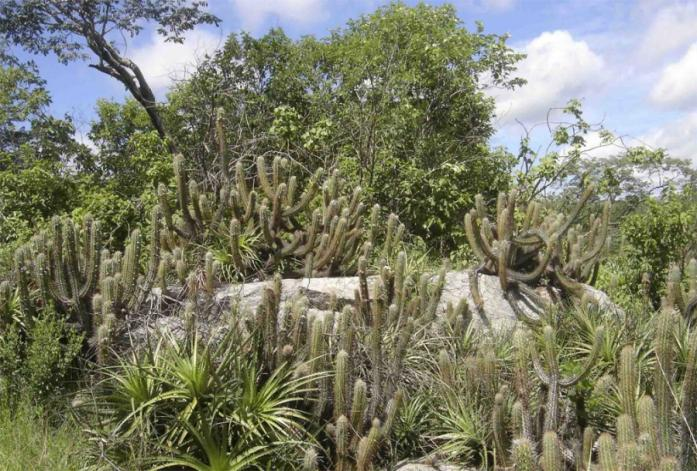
70	29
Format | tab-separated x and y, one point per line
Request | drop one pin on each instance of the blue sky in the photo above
632	63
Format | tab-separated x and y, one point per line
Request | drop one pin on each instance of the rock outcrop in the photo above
497	313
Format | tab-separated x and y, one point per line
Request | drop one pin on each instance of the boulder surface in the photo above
497	313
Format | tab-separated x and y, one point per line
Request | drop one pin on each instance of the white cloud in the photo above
557	68
678	137
162	62
677	86
253	13
670	29
498	5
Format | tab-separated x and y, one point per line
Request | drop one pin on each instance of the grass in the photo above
29	440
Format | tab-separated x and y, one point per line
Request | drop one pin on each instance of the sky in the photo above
633	64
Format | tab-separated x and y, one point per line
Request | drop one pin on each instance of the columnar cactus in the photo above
534	428
547	369
7	297
66	268
318	232
362	348
684	300
121	275
663	377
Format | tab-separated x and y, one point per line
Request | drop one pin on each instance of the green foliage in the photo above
34	149
394	100
36	362
658	234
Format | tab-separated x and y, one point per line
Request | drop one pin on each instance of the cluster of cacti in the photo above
651	432
363	348
123	288
540	246
535	430
296	233
645	429
64	265
65	268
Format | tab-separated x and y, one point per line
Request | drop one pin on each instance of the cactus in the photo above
607	453
7	293
361	405
121	276
688	408
498	420
628	382
551	453
550	375
663	377
521	255
684	300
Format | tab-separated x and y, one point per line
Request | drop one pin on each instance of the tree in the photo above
660	232
35	148
68	29
395	100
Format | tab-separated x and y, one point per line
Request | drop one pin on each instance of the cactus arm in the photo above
263	178
250	207
183	195
306	197
498	421
241	183
473	236
474	288
552	459
292	247
92	254
539	369
504	247
265	224
602	238
195	197
22	273
129	271
628	382
72	265
336	242
521	314
663	377
277	205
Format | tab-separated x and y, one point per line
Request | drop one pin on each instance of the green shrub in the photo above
37	362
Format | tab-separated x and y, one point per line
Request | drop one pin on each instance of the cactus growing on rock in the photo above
549	247
318	232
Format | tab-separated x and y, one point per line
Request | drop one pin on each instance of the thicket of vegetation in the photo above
364	153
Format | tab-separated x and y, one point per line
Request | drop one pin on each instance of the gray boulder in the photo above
497	313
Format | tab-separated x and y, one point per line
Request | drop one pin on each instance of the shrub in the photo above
36	362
